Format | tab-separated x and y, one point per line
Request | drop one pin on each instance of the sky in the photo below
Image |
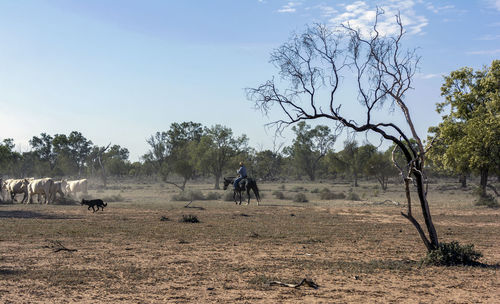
120	71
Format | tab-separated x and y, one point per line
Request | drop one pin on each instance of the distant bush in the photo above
451	254
190	195
326	194
212	196
300	198
352	196
315	190
189	219
487	200
278	195
298	189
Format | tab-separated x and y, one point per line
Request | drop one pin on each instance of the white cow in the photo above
15	186
58	187
41	186
72	187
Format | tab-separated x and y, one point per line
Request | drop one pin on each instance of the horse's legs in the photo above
234	197
248	195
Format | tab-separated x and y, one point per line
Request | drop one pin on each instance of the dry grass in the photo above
356	251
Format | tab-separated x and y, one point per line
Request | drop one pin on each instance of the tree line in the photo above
465	143
189	150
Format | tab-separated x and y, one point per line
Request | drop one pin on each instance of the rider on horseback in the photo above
242	173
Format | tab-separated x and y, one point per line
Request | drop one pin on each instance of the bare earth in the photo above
138	250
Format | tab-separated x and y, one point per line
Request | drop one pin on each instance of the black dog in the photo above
94	203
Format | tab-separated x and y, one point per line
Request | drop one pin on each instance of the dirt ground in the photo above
139	251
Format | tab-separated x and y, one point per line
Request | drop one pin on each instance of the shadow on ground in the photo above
34	215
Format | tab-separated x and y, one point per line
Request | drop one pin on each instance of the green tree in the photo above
353	159
79	148
309	147
379	165
468	138
9	159
43	150
116	160
268	164
72	152
217	148
171	152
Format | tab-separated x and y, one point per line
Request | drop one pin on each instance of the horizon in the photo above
120	72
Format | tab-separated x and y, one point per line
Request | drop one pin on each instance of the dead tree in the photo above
312	66
99	159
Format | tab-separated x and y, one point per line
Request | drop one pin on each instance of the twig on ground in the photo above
194	207
387	201
307	282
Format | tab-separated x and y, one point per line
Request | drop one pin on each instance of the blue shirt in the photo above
242	171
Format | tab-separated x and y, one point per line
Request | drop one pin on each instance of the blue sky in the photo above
119	71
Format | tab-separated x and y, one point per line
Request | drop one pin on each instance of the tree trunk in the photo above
462	179
434	243
484	181
217	184
383	182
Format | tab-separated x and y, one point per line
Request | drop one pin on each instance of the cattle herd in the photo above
47	188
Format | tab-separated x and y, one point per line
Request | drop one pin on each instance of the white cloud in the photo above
362	15
495	4
326	11
290	7
484	52
428	76
438	9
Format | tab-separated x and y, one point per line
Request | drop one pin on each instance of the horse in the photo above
245	184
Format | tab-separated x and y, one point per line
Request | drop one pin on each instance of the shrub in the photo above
451	254
487	200
300	198
315	190
279	195
213	196
298	189
326	194
353	196
189	219
192	195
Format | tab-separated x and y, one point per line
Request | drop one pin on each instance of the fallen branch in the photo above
307	282
494	189
187	206
387	201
